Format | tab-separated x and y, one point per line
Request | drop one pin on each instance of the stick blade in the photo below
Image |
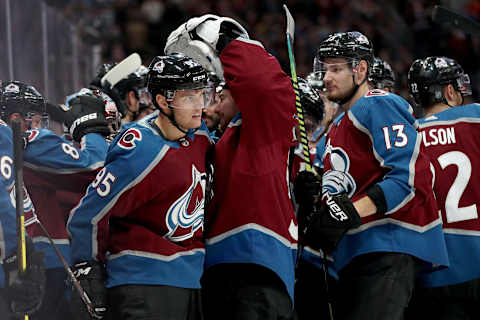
122	70
452	19
290	23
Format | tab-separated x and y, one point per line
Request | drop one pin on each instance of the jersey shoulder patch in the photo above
129	139
376	93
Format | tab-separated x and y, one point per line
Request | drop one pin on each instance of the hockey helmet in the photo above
381	74
352	46
174	72
311	101
427	77
22	98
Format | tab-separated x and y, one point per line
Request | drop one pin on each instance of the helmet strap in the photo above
353	91
171	118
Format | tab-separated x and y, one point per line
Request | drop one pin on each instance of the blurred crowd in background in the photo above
401	30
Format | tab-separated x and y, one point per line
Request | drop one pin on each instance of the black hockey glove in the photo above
91	276
86	115
306	189
25	291
330	223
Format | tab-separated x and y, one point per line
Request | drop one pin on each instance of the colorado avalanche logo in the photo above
338	180
127	141
185	215
28	208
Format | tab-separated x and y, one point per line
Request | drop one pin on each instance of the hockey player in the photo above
140	225
376	185
19	294
381	76
450	134
56	174
251	230
130	94
211	118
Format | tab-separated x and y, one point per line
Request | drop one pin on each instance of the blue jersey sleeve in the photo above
395	140
8	232
47	151
318	161
112	193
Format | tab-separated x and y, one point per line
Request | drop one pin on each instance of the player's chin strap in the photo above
171	117
352	92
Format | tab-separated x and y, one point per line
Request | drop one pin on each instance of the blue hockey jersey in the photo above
143	215
376	142
56	175
451	140
8	231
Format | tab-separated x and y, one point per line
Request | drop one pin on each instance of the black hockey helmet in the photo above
427	77
381	74
352	45
311	101
168	74
22	98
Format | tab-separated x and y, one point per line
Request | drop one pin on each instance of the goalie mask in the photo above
427	77
24	99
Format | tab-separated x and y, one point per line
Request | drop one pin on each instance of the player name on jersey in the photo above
435	136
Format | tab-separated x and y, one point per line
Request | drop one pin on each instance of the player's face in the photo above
211	118
338	78
188	105
226	109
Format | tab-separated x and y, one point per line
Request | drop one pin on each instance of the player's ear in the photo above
161	101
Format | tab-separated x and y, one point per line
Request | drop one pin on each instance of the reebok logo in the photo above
335	211
82	119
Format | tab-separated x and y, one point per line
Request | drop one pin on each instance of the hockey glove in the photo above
25	291
86	115
91	276
330	223
306	189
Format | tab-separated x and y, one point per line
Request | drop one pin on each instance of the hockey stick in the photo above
301	122
18	164
303	133
83	294
121	70
452	19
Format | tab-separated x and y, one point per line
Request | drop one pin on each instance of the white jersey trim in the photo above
112	202
45	239
251	226
258	43
155	256
448	122
402	224
462	232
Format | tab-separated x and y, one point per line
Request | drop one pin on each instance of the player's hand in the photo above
91	276
306	189
86	114
203	38
25	291
331	221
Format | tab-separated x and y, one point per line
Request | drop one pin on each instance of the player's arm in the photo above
396	146
261	90
112	193
46	150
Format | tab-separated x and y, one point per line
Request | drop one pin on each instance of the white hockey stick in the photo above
121	70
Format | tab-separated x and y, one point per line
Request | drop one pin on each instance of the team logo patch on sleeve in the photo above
127	141
32	135
376	93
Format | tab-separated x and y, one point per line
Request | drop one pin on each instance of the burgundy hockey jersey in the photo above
376	142
452	141
143	215
251	217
